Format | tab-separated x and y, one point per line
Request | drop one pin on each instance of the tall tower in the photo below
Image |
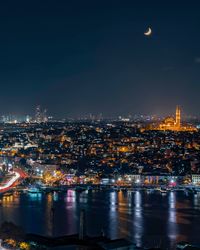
45	118
38	114
178	116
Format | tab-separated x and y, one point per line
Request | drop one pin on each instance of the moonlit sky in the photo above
79	57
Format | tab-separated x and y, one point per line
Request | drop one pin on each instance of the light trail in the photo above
2	248
11	181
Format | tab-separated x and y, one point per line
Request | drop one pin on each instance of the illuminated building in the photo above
195	179
40	116
173	124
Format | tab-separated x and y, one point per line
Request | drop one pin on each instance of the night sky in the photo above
80	57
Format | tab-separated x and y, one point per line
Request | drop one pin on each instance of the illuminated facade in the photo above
173	124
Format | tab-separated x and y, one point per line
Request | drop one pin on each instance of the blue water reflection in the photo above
140	216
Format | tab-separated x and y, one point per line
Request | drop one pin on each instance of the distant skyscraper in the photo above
28	119
40	116
44	117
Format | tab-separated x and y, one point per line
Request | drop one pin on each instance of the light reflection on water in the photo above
138	219
172	219
139	216
35	196
113	221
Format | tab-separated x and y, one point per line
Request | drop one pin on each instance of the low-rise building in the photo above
196	179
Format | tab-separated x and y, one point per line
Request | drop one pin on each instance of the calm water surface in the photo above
146	219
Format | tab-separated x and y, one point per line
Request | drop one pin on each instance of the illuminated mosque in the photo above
173	124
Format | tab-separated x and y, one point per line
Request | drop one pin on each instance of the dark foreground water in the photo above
146	219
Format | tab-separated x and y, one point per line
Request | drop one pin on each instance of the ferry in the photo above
149	190
163	191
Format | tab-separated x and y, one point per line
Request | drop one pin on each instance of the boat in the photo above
149	190
163	191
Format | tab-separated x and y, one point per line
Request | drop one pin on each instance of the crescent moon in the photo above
148	32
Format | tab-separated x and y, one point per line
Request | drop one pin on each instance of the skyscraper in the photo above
38	114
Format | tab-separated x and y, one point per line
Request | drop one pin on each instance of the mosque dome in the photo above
169	121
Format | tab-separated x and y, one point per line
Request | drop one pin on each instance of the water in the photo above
146	219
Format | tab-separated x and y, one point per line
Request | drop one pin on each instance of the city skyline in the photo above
95	58
41	114
99	125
